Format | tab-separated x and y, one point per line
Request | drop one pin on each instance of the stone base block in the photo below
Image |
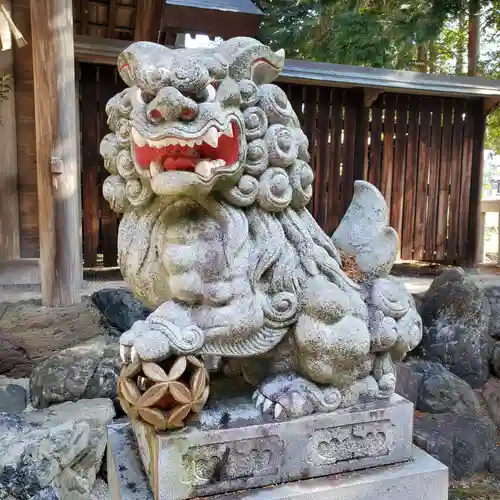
420	478
216	455
233	447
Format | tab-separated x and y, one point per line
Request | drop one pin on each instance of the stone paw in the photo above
387	385
156	339
286	396
284	408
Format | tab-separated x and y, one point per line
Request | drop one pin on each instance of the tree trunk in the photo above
473	44
460	47
422	58
432	57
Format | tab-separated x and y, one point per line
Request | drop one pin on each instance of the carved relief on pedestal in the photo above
210	464
350	442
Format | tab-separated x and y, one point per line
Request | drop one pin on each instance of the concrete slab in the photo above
420	478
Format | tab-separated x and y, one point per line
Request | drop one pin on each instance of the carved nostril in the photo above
188	113
155	115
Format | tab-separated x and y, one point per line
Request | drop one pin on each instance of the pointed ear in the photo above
251	60
143	61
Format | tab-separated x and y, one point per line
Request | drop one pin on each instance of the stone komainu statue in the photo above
209	168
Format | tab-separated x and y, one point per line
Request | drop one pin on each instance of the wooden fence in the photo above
418	150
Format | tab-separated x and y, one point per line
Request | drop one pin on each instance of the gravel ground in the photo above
484	487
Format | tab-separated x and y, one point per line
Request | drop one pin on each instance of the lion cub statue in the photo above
209	167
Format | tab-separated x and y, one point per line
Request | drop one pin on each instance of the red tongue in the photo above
179	163
171	157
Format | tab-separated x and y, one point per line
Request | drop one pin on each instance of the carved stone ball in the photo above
164	395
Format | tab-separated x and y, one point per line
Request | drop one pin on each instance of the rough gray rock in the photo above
408	381
13	398
119	307
30	332
86	371
55	453
12	357
492	293
447	276
434	389
491	396
461	443
100	491
456	323
494	465
495	360
419	301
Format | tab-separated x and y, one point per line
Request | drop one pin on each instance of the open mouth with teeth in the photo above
206	155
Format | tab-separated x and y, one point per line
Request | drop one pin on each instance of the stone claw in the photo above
259	400
278	409
268	404
157	338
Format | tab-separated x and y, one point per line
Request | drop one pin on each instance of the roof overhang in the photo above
224	18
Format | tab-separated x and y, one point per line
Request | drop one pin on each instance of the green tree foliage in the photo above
424	35
382	33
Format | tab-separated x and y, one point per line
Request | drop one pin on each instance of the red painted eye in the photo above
155	114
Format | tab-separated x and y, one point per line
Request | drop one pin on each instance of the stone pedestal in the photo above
233	447
420	478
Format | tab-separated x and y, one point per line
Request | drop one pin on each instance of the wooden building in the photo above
418	137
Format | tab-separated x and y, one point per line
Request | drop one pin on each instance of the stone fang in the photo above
228	131
212	137
137	138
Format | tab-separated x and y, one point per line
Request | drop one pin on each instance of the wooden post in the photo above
473	250
9	200
482	237
148	20
56	143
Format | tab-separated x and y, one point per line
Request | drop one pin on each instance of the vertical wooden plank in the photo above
85	17
310	129
456	170
411	187
482	227
321	190
334	188
111	18
25	133
109	219
90	163
434	178
473	255
58	177
351	102
399	164
148	20
361	135
469	193
297	101
9	200
375	152
444	180
424	146
388	147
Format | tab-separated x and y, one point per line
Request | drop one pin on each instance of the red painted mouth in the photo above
181	156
